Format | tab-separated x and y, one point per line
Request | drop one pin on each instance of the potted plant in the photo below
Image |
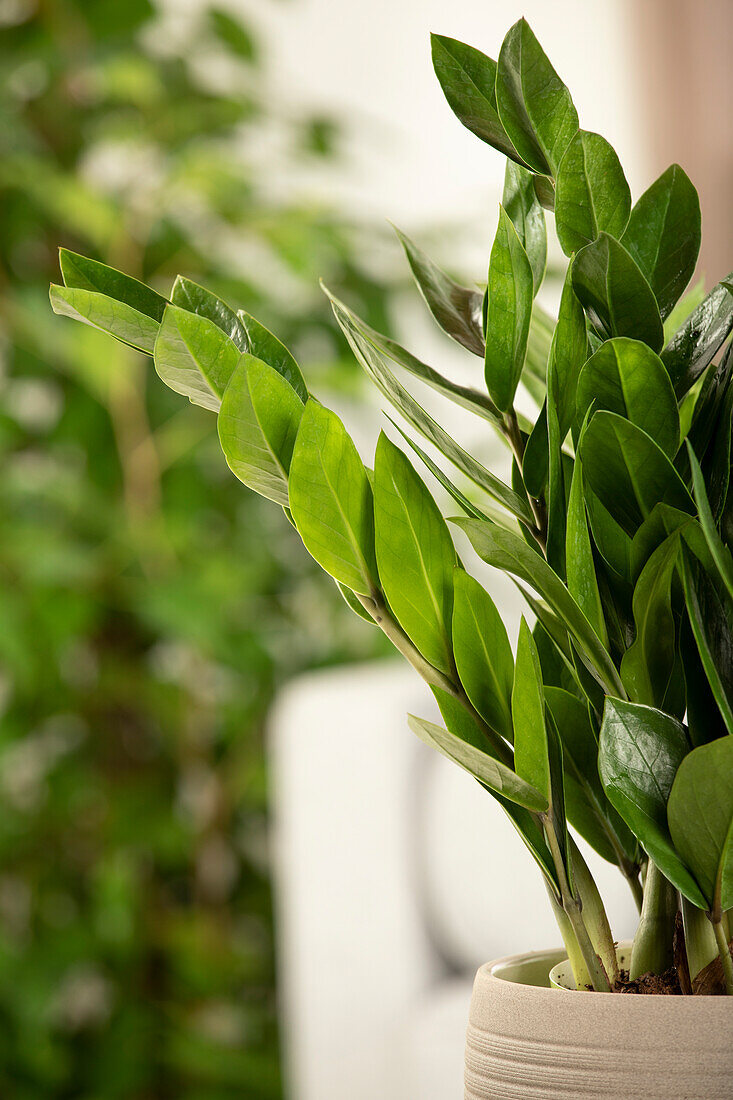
615	714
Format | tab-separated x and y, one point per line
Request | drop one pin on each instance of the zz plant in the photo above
616	714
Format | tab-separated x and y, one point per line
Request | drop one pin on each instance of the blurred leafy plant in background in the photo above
148	608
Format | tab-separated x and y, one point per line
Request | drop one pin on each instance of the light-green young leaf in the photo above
194	357
527	216
700	815
100	311
482	653
510	292
626	377
331	500
258	423
415	555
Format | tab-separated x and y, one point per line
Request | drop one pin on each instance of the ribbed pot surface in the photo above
526	1041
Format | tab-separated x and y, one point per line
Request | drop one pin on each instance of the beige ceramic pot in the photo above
527	1041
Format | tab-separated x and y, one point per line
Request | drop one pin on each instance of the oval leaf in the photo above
106	314
615	294
510	291
482	653
527	216
591	195
194	357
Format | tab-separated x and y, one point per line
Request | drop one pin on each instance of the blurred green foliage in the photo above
150	604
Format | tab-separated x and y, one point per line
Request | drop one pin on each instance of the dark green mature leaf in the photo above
628	471
510	290
700	815
482	653
258	421
106	314
694	346
719	551
197	299
415	555
704	720
647	665
711	618
468	79
626	377
509	552
580	566
375	364
556	494
194	357
616	296
591	194
534	105
456	308
640	751
531	743
612	542
527	216
81	273
331	500
473	400
588	809
270	350
482	766
663	235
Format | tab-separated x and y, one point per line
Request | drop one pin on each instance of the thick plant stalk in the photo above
653	950
570	942
594	912
725	955
573	909
700	941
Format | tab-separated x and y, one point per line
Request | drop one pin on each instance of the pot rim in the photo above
490	973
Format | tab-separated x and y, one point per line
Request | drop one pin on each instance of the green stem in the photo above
377	608
595	917
573	909
725	955
653	950
570	941
700	942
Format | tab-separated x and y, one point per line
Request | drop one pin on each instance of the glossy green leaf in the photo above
615	294
700	815
194	357
527	216
591	193
510	289
640	751
106	314
482	653
628	471
704	720
456	308
376	366
81	273
534	105
719	551
648	663
580	566
197	299
468	79
507	551
711	618
663	235
415	555
626	377
588	809
267	347
482	766
531	745
258	422
556	494
694	346
331	500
